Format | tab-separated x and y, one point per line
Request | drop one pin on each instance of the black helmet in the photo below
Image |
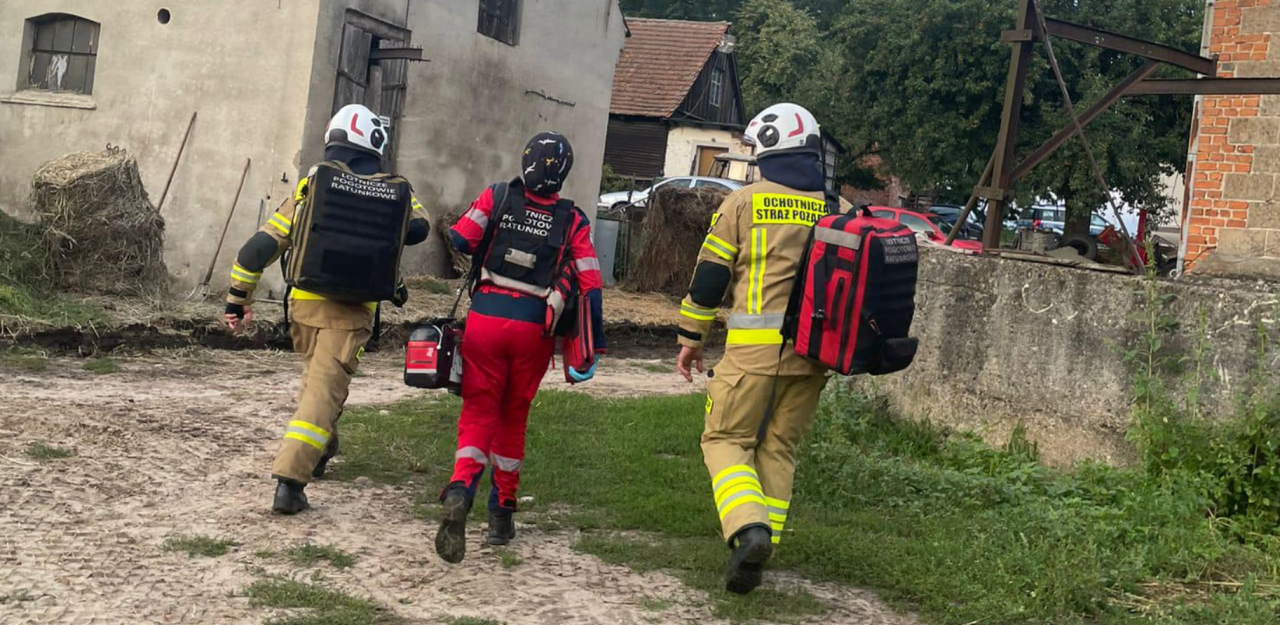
546	164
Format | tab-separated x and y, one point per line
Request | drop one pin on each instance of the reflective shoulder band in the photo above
838	237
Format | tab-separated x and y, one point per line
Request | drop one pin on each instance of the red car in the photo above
930	226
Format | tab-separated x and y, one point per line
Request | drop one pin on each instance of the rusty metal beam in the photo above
1209	86
1099	107
1010	122
1129	45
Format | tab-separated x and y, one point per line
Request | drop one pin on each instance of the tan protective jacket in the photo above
759	234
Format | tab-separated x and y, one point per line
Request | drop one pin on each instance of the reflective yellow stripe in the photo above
778	503
285	220
711	238
779	518
754	337
716	250
735	504
777	527
298	437
721	247
695	312
302	189
417	205
764	259
736	486
308	296
309	427
241	274
283	229
777	539
745	468
759	254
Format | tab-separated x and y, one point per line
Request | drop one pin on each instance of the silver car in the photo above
621	199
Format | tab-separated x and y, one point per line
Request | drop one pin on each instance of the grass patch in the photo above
308	555
102	366
20	597
656	368
653	604
43	452
24	359
323	606
264	554
508	558
469	620
27	294
935	521
200	546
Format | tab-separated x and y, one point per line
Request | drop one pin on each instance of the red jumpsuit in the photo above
506	353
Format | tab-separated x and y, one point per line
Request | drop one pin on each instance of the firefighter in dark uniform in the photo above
330	336
754	250
534	241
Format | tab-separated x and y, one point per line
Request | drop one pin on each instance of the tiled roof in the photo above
659	64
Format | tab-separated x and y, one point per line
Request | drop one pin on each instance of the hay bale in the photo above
674	228
458	261
101	230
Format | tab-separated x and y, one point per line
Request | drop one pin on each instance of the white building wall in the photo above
244	65
682	149
262	76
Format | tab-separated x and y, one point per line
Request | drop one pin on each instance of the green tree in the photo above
924	80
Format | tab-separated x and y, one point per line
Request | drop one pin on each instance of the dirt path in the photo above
172	446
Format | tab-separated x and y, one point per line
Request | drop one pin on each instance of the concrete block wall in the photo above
1004	342
1234	224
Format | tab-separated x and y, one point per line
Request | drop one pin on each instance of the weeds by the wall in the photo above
1234	460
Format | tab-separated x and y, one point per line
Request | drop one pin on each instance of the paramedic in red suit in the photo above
538	249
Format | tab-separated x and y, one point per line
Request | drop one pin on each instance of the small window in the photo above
500	19
711	184
883	214
64	54
717	87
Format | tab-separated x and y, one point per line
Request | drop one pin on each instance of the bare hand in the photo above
688	358
239	325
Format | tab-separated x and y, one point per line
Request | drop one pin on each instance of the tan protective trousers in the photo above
752	471
329	359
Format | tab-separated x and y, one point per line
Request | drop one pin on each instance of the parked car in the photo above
621	199
927	226
973	227
1051	218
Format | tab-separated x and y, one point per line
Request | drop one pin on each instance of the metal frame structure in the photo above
1003	171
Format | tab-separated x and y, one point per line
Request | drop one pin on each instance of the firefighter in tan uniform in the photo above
762	396
329	335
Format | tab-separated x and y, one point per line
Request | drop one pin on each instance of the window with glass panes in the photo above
500	19
64	54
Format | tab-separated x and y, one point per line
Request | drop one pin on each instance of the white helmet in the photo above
356	126
784	128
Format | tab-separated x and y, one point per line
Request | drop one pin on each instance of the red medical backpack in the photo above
852	304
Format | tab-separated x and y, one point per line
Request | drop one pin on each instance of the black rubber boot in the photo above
451	538
290	499
330	451
502	526
753	547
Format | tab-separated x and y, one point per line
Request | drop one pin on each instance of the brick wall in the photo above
1234	224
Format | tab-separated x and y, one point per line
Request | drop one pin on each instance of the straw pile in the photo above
101	230
674	229
458	261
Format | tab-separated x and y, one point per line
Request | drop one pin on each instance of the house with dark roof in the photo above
677	102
